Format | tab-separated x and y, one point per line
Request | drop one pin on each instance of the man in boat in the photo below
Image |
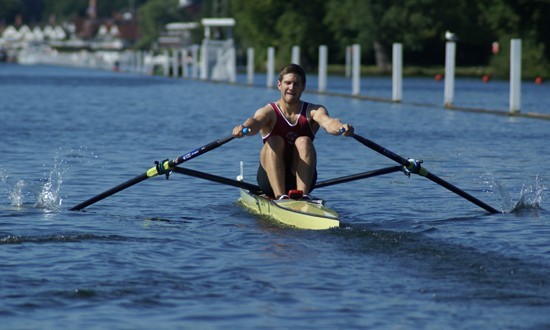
288	126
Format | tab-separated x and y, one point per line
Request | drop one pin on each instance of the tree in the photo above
29	10
153	16
522	19
282	25
418	24
9	9
67	9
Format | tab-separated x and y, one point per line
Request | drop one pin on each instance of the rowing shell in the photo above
303	214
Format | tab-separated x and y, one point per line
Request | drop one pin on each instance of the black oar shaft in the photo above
378	148
110	192
423	172
358	176
460	192
218	179
256	189
192	154
154	171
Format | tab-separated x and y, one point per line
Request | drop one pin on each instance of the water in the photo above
180	253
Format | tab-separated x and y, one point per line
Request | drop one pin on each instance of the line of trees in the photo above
419	25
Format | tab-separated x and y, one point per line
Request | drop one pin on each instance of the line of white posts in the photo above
353	66
186	58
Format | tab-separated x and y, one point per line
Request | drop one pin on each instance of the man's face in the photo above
291	87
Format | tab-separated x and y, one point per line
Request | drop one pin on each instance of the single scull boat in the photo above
299	213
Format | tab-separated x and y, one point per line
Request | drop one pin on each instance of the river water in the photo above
181	253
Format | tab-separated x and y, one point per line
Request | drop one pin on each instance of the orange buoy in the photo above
438	77
538	80
486	78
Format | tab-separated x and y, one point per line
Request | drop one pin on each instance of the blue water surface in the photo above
181	253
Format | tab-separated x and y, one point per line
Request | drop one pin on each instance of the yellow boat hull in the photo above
301	214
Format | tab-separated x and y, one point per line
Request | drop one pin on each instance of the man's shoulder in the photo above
266	111
314	107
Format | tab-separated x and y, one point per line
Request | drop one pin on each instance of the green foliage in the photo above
525	20
419	25
9	10
154	15
68	9
262	24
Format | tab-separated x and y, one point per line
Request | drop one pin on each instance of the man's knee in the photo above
275	143
303	143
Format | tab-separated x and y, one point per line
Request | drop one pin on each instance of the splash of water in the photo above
49	196
46	192
16	195
530	196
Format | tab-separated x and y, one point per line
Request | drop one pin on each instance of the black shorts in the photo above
290	182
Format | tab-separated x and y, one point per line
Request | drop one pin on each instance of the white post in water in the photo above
195	59
397	72
175	63
250	66
148	61
515	75
270	66
139	63
204	61
232	63
295	55
355	71
184	64
450	54
348	61
166	63
323	60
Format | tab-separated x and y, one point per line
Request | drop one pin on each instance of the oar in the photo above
218	179
358	176
256	189
414	166
163	167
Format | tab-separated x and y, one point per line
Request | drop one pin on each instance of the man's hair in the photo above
293	68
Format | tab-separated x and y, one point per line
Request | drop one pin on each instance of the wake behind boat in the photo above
299	213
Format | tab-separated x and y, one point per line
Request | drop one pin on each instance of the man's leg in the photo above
272	159
305	162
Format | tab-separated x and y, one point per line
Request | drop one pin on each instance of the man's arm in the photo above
263	117
332	125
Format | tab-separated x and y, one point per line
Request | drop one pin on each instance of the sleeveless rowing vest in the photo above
287	130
